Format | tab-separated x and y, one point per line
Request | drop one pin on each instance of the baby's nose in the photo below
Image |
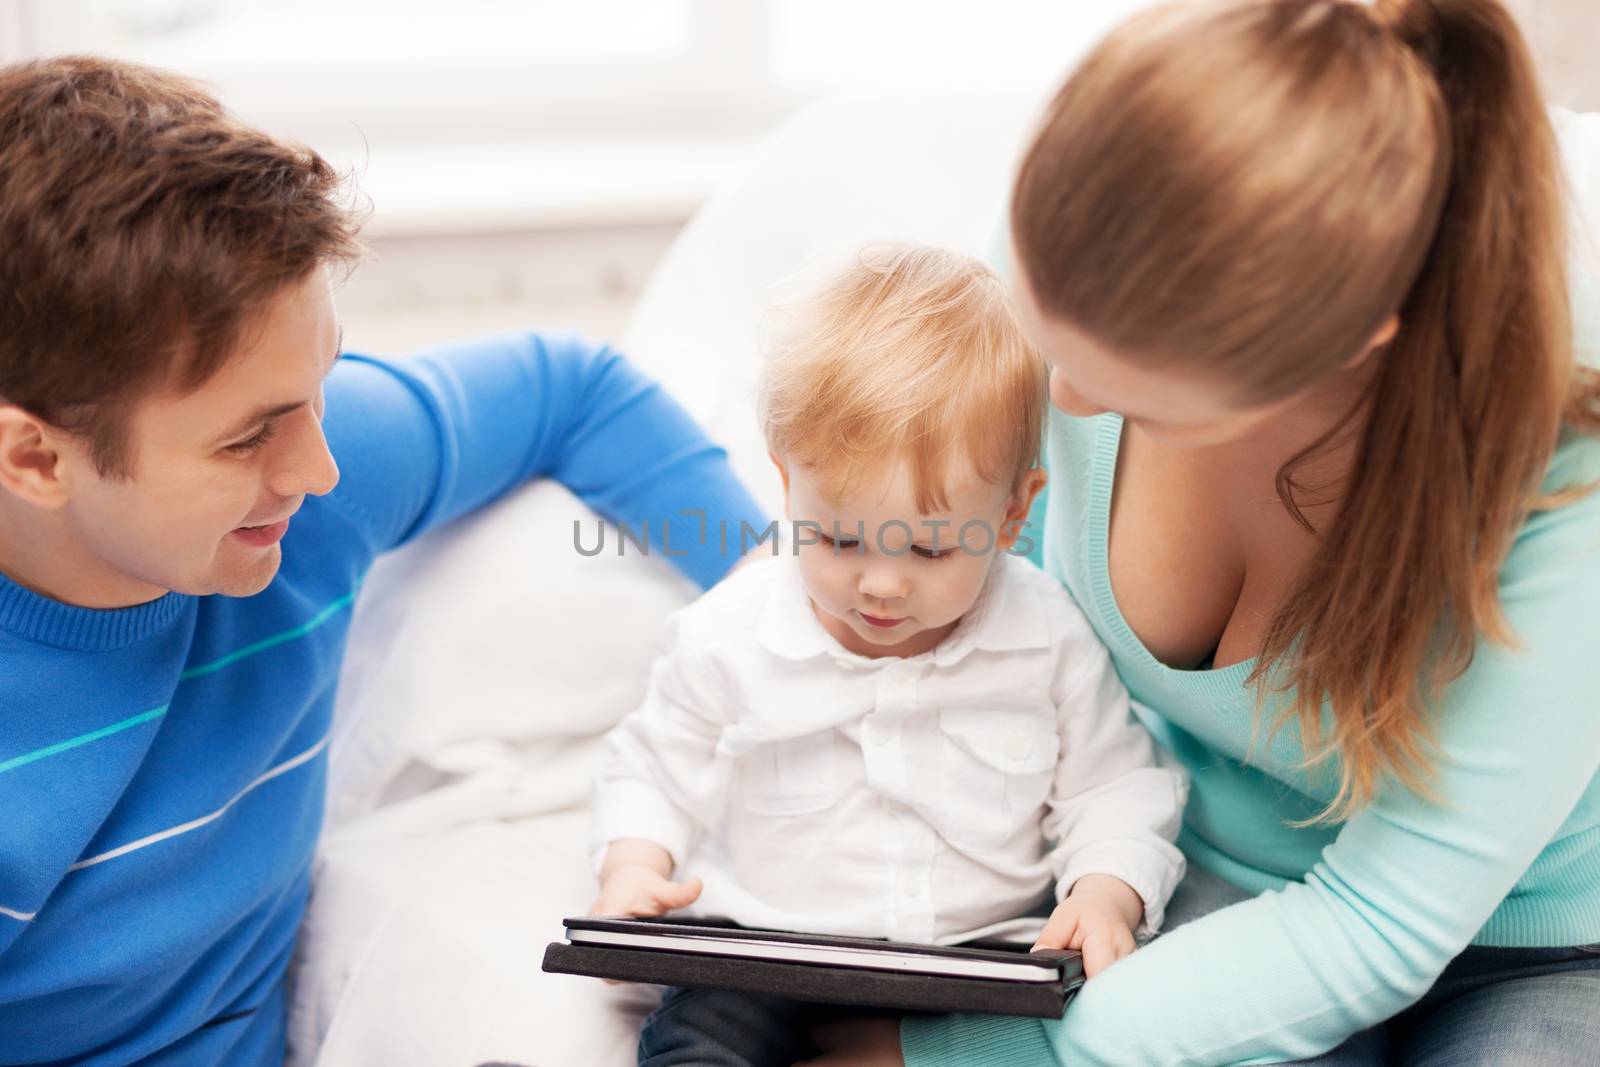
882	583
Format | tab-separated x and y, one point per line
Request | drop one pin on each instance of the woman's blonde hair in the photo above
1253	188
911	353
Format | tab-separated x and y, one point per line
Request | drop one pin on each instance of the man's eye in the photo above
254	441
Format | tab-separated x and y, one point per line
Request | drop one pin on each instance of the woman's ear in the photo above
1018	507
31	465
1384	334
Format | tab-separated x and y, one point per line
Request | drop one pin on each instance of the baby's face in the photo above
896	581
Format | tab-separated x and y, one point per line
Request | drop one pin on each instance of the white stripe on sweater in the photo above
133	846
195	824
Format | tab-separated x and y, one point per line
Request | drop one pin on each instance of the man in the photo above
192	484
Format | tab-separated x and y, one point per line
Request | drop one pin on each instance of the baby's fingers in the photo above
671	895
1059	931
1102	947
609	904
1099	952
1122	942
629	903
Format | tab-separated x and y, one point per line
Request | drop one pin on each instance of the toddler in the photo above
898	727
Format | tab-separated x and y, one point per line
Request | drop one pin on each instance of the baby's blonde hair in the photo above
911	353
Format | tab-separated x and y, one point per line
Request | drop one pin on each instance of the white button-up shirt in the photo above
919	798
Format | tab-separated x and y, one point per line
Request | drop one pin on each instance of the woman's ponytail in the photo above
1465	412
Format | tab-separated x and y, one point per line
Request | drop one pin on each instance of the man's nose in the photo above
307	465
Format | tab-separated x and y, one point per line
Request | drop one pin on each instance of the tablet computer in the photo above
999	977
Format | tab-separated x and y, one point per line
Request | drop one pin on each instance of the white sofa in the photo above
487	659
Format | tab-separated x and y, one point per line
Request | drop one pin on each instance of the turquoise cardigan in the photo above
1353	922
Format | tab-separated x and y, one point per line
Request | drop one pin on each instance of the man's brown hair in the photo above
142	230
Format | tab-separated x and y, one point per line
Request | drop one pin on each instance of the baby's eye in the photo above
928	553
841	544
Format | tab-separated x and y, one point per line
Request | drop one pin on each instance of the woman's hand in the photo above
858	1043
1098	919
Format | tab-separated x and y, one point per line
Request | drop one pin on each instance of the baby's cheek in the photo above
960	586
823	575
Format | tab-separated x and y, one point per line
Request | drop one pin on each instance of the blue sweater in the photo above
162	766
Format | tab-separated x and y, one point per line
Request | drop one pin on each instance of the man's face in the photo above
217	473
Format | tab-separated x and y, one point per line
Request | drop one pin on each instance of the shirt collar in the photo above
1007	616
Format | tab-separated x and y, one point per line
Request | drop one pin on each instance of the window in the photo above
496	113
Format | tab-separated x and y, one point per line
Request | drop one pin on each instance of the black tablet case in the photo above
830	984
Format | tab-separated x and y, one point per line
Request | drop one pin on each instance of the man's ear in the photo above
31	463
1020	504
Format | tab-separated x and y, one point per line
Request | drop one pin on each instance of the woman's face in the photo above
1170	406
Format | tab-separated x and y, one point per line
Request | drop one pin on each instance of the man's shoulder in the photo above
385	432
376	418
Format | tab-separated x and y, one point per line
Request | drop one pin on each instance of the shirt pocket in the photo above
998	763
795	776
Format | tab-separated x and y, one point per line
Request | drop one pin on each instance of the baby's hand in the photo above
1098	919
639	891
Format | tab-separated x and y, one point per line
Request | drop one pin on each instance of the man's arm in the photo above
425	439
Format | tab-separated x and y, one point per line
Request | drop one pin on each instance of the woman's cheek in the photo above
1068	401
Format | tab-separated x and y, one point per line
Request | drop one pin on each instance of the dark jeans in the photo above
716	1028
1492	1007
1509	1007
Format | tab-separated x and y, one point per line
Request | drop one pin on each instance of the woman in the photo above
1336	534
